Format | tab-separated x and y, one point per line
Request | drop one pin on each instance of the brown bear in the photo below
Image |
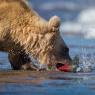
29	39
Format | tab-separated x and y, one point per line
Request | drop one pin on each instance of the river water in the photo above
77	29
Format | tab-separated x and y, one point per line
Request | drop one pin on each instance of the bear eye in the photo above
55	29
65	50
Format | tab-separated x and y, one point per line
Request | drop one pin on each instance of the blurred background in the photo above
77	24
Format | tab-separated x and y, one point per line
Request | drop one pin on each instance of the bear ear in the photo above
54	23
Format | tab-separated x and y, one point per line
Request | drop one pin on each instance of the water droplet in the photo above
84	61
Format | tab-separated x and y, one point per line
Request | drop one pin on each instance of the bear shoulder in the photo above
22	3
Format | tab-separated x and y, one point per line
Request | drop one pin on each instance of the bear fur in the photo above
23	33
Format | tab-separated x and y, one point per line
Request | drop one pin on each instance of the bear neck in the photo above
29	36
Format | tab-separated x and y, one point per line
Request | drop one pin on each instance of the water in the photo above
72	13
46	83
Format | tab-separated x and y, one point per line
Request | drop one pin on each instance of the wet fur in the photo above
24	32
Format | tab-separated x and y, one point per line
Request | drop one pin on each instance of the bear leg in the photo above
20	62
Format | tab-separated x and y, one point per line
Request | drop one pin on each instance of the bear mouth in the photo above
64	67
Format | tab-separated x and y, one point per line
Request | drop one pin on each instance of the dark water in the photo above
46	83
55	83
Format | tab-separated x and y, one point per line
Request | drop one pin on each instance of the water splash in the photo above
85	61
37	64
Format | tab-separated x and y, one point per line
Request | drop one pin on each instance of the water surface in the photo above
46	83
